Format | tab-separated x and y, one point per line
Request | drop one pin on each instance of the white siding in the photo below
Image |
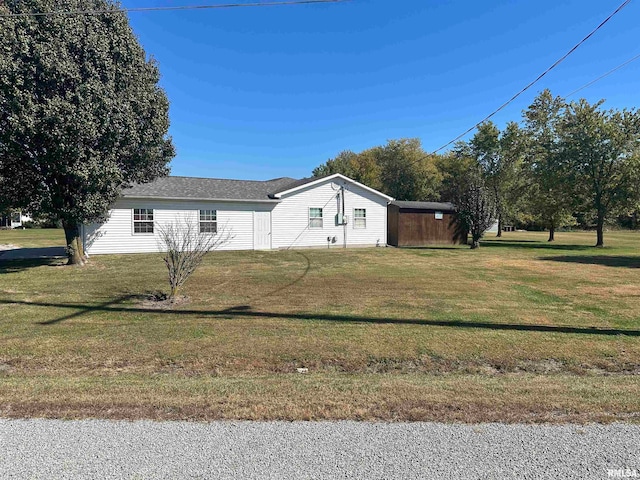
116	234
290	218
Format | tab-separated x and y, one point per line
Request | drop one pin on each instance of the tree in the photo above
602	148
550	192
407	171
185	247
475	204
362	167
81	113
343	163
401	169
498	154
453	167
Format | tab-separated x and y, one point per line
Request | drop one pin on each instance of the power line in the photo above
557	62
155	9
604	75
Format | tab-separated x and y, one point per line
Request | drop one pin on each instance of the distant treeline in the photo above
564	164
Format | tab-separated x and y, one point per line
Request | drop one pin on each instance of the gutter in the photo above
188	199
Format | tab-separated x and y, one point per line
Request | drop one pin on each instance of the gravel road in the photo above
55	449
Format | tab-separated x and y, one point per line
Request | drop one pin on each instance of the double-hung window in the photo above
359	218
315	218
208	221
142	220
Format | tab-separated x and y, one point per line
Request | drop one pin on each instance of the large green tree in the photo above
550	188
362	167
602	148
401	169
498	154
407	171
81	112
454	166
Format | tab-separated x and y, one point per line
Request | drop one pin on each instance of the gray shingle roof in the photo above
209	188
305	181
440	206
296	183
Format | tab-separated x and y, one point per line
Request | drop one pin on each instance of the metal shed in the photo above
415	224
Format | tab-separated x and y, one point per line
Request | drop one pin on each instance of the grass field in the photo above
30	238
520	330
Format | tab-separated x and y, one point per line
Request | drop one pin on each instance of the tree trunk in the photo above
600	231
80	247
475	243
552	233
173	293
500	226
72	237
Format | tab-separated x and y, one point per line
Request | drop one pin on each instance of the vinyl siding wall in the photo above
116	235
290	218
289	221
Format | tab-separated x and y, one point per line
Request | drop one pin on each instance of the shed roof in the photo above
209	188
439	206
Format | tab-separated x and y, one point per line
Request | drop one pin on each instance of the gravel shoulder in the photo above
58	449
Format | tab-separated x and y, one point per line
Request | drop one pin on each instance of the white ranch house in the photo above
281	213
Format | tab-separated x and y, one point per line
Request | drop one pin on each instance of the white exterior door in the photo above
261	230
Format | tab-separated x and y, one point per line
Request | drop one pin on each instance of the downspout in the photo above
83	234
344	222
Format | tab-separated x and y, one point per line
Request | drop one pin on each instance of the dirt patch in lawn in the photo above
161	301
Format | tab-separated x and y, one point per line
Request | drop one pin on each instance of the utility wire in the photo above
155	9
557	62
604	75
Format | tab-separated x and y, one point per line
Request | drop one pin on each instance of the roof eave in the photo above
201	199
331	177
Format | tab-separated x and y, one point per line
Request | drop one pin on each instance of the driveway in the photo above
31	253
55	449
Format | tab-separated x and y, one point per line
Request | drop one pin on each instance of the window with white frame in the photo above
359	218
208	221
315	218
142	220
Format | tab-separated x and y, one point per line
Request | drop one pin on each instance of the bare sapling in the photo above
185	248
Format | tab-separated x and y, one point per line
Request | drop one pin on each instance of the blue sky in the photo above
258	93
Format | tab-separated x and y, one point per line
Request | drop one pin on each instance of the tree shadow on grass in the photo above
14	266
532	245
246	311
510	240
606	260
86	309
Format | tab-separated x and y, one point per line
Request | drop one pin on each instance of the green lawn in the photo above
520	330
36	237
